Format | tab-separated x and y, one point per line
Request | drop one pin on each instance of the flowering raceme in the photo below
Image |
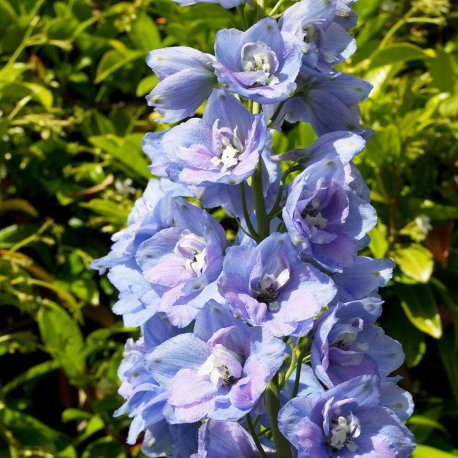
241	264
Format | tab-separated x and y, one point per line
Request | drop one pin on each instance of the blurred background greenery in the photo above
72	116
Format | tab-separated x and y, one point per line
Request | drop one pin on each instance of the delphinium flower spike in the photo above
264	344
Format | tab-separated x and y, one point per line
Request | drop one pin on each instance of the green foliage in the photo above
72	81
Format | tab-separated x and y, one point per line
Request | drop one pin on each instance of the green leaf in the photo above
127	150
20	205
30	374
415	260
113	60
83	288
434	210
19	90
425	451
105	447
109	210
420	307
398	53
63	339
30	432
386	144
75	414
398	326
380	76
379	240
144	33
447	353
426	421
21	341
5	234
444	70
94	425
146	85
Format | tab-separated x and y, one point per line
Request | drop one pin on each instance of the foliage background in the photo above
72	116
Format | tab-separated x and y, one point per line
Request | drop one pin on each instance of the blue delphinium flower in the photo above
270	286
325	219
221	325
224	3
183	262
362	279
145	397
186	79
175	441
227	440
221	148
347	343
345	15
346	421
342	146
391	395
153	212
328	103
137	302
220	371
325	43
260	64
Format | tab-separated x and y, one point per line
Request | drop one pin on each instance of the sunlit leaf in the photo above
398	52
146	85
425	451
113	60
420	307
144	33
20	205
415	260
30	374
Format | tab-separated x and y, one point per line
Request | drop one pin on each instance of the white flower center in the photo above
259	57
343	431
313	217
192	249
218	372
231	148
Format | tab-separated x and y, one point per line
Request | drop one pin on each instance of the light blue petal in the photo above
212	318
166	62
185	350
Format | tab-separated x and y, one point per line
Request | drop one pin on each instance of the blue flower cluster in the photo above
266	345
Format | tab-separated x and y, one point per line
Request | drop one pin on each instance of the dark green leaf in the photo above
63	339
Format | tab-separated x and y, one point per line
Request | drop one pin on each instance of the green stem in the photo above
397	26
263	224
291	366
298	369
273	407
241	10
255	437
276	7
276	113
254	234
274	210
25	41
